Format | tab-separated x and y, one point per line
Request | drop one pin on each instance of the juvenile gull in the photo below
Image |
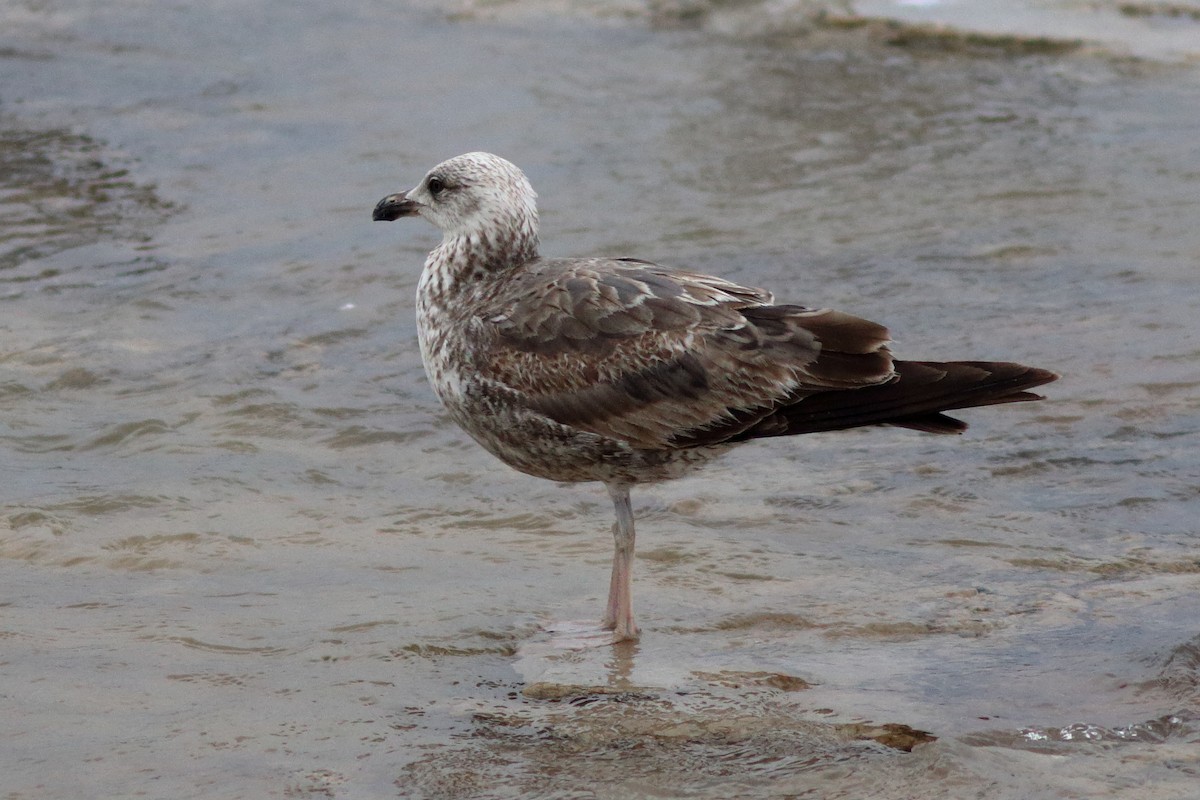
622	371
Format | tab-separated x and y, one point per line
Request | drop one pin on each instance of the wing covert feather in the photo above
659	358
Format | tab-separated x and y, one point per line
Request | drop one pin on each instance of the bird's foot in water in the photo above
582	634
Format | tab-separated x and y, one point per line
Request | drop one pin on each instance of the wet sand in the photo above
245	555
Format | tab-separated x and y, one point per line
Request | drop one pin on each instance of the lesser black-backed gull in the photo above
625	372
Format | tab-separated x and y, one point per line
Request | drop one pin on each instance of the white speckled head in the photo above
477	193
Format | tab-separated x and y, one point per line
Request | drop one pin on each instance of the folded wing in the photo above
665	358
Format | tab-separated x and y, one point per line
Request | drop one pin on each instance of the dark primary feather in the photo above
915	399
664	358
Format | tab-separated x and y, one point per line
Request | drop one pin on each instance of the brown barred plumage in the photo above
625	372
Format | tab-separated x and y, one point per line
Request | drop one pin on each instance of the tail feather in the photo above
916	399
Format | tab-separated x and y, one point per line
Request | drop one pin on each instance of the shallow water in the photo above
244	554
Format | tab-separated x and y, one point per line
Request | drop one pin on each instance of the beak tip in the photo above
393	207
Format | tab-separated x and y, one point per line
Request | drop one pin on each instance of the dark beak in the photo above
394	206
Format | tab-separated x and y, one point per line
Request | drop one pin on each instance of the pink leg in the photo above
618	616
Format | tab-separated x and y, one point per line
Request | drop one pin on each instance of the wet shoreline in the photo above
246	555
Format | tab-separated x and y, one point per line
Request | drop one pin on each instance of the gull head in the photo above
472	196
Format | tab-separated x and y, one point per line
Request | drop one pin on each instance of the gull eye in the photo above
435	185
